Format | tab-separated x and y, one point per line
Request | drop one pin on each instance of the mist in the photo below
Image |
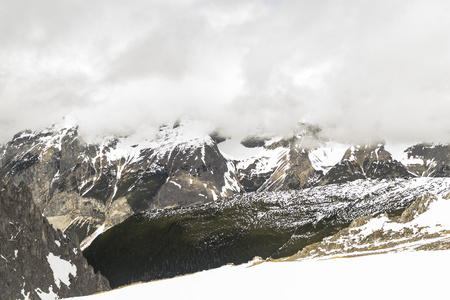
361	70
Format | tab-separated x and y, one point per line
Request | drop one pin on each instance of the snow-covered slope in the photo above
325	157
405	275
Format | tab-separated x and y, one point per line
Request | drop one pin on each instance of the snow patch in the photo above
181	138
230	180
214	195
25	296
173	182
398	152
433	220
87	241
268	161
47	296
233	149
61	269
324	158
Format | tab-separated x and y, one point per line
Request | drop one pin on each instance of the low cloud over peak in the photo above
360	70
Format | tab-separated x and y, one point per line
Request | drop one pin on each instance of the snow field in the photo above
404	275
393	275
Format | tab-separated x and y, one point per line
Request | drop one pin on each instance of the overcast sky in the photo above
360	69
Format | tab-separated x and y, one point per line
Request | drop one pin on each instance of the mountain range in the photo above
188	195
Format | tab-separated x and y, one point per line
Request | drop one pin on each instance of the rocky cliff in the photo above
366	161
307	159
86	187
37	261
429	159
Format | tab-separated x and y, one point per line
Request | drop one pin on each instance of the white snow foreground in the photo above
404	275
391	275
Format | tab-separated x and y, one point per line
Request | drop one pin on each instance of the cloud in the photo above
362	70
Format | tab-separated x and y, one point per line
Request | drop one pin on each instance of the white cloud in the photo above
362	69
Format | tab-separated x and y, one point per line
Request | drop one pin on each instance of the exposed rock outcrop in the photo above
285	165
35	259
430	159
81	186
368	161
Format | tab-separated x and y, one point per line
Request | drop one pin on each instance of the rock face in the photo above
369	161
430	159
36	260
81	186
285	163
304	160
197	172
165	243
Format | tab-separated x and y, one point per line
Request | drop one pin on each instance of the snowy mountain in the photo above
37	262
308	159
368	161
186	201
165	243
283	163
90	187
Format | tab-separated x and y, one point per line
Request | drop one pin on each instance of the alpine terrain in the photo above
404	266
185	201
166	243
